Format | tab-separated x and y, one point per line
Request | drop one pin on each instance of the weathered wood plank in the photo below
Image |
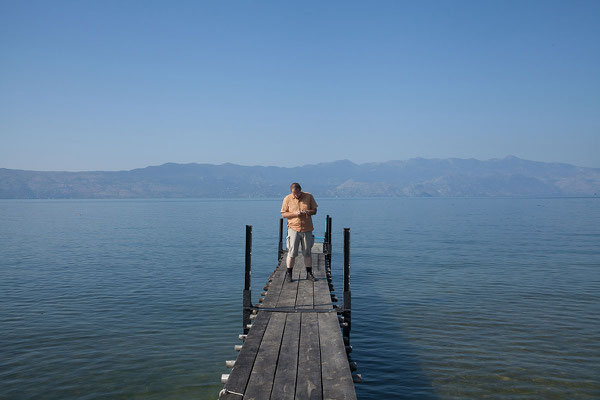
274	291
299	266
335	371
284	385
322	296
304	300
319	265
301	270
239	375
263	372
289	291
308	385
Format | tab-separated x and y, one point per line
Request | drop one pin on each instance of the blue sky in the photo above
109	85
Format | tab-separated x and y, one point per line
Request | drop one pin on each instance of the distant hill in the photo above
510	176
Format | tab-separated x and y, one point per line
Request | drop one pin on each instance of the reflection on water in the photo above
452	298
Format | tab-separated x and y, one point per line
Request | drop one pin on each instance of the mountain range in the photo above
453	177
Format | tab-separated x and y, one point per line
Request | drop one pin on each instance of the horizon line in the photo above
299	166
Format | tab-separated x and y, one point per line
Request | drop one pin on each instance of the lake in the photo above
452	298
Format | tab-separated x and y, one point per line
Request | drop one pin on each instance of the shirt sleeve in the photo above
285	206
314	203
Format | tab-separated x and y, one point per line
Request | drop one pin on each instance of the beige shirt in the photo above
306	201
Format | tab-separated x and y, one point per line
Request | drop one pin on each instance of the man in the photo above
298	207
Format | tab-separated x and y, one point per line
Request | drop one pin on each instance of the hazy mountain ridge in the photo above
509	176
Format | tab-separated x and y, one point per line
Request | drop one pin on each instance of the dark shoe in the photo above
311	277
288	275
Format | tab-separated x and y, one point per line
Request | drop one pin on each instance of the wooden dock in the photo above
294	347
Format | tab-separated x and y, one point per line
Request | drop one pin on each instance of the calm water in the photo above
452	298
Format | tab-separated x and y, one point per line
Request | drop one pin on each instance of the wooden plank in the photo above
287	298
239	375
299	266
308	385
274	291
263	372
301	269
335	371
317	247
322	296
319	265
284	385
305	291
304	299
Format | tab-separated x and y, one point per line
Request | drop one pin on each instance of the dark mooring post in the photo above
347	297
247	302
280	246
328	235
326	238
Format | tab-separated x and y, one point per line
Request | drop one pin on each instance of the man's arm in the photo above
285	210
312	206
297	213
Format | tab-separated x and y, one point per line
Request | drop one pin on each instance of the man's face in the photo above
296	192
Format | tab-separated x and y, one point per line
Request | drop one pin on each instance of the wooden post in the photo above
347	297
280	246
328	232
247	296
329	246
326	239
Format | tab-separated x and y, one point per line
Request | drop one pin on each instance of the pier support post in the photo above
347	297
328	240
280	246
247	296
